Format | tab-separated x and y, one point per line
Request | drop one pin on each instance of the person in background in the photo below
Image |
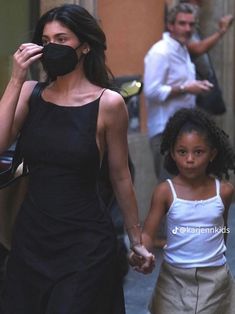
169	78
194	276
199	47
170	82
64	249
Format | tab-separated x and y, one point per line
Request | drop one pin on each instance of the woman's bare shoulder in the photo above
113	109
112	100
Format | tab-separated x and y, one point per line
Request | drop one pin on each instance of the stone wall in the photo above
222	56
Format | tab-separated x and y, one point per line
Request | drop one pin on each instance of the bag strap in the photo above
8	176
37	91
17	157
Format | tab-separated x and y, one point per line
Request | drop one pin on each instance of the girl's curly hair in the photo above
188	120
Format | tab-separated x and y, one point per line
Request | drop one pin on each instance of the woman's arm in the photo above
117	147
115	125
159	204
13	107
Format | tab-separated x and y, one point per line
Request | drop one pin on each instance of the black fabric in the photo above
64	251
213	101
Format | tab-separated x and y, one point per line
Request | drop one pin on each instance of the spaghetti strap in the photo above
102	92
217	185
172	188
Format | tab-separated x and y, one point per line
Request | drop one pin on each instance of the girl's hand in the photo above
141	259
25	55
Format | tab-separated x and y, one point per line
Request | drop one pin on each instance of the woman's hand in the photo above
26	54
141	259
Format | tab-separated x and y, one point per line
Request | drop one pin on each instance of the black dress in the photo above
64	254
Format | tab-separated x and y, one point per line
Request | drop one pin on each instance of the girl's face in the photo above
192	154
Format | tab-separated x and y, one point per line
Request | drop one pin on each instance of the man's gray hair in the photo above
180	8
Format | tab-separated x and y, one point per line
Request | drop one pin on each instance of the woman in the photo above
63	257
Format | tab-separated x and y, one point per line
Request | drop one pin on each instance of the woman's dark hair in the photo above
188	120
86	28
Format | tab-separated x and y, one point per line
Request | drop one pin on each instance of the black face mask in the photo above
59	60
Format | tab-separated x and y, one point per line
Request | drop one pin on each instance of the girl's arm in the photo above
226	193
160	203
116	124
13	109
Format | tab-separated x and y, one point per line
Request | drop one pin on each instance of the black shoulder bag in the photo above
13	187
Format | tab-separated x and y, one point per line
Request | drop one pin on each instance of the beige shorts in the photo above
204	290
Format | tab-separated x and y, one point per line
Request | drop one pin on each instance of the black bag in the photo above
212	102
13	187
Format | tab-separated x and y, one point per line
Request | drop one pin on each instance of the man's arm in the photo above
155	86
202	46
155	74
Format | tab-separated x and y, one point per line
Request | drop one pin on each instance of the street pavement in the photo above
138	287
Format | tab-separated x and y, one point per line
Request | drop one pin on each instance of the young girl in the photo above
194	276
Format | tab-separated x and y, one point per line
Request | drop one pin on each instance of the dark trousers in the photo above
161	173
3	258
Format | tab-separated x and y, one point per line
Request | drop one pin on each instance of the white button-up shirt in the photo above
167	64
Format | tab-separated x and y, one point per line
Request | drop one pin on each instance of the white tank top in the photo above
195	231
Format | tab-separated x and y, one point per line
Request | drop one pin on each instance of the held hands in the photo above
224	23
141	259
25	55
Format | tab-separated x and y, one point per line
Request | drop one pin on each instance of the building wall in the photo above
223	57
14	29
131	27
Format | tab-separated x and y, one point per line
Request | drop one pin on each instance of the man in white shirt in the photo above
169	78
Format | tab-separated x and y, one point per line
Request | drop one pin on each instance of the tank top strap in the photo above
217	186
172	188
101	94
